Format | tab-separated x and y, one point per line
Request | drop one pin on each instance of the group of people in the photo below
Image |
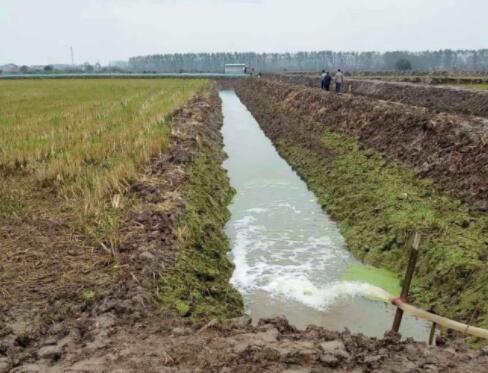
326	80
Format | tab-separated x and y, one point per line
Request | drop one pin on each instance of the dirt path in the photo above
437	98
124	330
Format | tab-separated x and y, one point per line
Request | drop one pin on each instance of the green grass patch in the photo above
198	287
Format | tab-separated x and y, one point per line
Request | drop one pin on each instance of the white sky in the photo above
41	31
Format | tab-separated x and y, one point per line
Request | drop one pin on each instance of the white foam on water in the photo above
263	183
301	289
257	210
245	275
260	266
289	206
289	281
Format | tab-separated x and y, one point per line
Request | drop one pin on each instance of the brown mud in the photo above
436	98
120	327
441	78
272	346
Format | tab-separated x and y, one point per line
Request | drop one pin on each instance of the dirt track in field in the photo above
437	98
124	330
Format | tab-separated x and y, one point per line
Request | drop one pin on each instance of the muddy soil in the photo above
451	150
272	346
440	99
123	329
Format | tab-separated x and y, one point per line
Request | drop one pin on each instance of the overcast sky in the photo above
41	31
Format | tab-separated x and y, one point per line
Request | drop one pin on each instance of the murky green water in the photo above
290	257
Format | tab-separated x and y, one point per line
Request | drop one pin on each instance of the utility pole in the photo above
72	56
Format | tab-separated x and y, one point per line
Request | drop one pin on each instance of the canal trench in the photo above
290	258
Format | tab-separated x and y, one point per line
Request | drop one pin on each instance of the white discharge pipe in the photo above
443	321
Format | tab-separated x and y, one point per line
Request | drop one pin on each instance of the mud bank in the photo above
426	78
343	147
183	207
444	99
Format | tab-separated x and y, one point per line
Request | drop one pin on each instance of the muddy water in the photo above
289	256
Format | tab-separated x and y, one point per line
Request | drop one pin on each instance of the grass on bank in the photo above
198	286
380	204
79	144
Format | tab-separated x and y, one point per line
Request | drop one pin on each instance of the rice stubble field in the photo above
69	151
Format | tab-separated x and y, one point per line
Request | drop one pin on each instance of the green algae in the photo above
379	277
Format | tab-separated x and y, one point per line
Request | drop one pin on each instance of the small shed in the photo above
235	68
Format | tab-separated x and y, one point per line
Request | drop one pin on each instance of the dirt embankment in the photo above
443	99
465	78
449	149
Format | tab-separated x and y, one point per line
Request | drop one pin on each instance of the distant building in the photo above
235	68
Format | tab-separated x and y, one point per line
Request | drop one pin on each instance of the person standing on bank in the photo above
322	79
327	80
339	80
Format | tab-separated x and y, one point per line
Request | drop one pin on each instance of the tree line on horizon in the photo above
441	60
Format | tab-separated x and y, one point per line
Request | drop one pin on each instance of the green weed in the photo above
198	286
380	204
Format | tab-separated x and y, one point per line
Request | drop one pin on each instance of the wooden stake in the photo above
432	334
412	260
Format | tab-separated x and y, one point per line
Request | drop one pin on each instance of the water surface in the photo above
289	255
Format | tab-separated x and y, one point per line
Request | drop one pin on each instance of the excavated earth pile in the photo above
395	76
452	150
446	99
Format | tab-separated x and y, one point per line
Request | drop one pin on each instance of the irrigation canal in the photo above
290	258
